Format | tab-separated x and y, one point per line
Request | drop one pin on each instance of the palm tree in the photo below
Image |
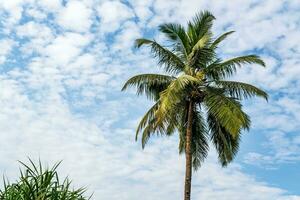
193	98
37	183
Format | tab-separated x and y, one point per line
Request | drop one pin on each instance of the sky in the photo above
62	66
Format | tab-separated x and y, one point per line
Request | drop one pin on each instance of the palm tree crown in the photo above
195	80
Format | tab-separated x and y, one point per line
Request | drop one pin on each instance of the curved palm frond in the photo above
150	125
227	110
228	68
200	25
177	34
200	52
171	62
202	42
220	39
241	90
249	59
147	119
226	145
201	58
147	131
149	84
175	94
199	31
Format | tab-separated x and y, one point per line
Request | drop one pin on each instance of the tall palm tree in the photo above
193	98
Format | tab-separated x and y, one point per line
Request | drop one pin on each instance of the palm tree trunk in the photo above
188	153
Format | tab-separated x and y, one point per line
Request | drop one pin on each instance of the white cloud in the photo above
284	149
124	40
65	48
6	47
113	14
37	14
39	34
76	16
12	10
142	9
33	29
50	5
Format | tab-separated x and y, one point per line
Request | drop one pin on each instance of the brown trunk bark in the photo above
188	154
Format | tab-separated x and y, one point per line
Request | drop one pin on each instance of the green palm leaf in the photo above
171	62
241	90
149	84
227	68
174	94
177	34
150	125
146	124
226	145
220	39
227	111
200	25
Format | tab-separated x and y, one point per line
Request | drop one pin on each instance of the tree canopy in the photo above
194	72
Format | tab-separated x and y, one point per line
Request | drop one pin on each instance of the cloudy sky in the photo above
63	63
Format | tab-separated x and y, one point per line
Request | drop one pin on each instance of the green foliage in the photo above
226	145
220	70
175	93
178	37
200	26
149	84
241	90
227	110
38	183
220	39
198	75
165	57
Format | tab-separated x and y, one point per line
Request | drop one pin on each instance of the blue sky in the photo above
63	63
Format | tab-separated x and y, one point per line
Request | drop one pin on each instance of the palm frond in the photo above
149	84
220	39
150	125
226	145
200	25
227	110
166	58
147	120
249	59
228	68
177	34
201	43
175	94
147	131
199	31
241	90
201	58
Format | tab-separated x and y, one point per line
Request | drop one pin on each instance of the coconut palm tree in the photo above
38	183
193	97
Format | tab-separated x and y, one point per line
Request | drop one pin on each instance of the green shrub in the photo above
38	183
